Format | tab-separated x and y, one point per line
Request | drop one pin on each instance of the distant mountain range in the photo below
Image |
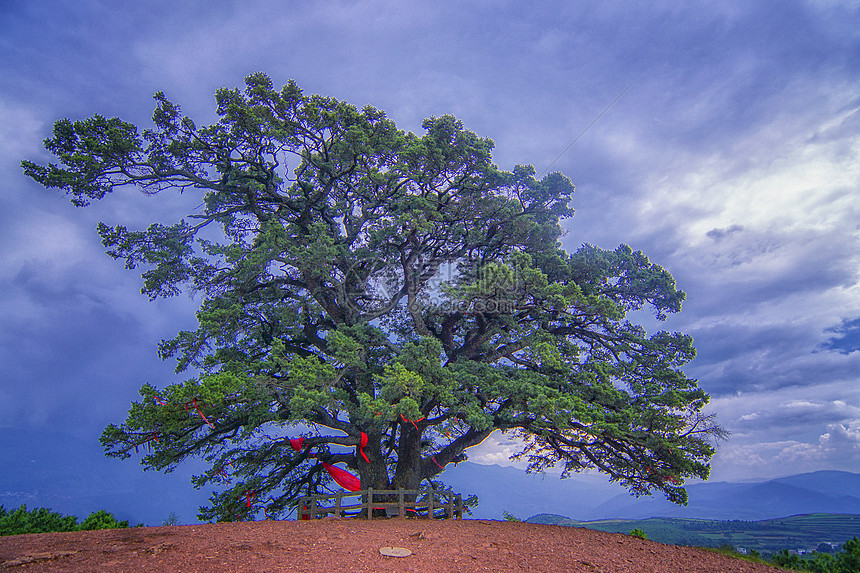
504	488
586	497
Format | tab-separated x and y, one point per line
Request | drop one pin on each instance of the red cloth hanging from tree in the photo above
362	445
343	478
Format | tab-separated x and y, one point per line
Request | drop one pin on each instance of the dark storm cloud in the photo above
75	49
764	268
68	353
718	234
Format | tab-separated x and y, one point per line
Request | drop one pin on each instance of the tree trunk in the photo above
375	473
408	473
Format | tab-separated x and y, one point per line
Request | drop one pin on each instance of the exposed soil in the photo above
346	545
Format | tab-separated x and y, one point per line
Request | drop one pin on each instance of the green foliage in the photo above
752	556
39	520
788	560
365	285
42	520
765	536
510	517
638	533
102	520
846	560
172	519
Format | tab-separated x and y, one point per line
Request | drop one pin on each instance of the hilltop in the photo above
353	545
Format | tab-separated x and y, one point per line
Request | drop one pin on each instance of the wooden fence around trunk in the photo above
426	503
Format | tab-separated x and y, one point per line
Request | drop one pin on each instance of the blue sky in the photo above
733	160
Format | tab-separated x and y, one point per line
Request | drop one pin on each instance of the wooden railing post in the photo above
431	509
451	504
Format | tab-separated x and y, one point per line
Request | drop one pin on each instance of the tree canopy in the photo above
381	300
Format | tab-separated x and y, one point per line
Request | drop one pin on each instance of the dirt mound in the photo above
347	545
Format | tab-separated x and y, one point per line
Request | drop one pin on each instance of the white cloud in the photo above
790	430
799	173
20	132
497	449
838	448
48	239
841	437
803	404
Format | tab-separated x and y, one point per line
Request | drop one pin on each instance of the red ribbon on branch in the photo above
438	465
405	419
297	443
249	495
343	478
150	437
362	445
199	411
662	478
223	472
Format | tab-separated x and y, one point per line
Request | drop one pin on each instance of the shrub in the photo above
43	520
39	520
102	520
845	561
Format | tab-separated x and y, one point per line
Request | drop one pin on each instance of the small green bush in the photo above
102	520
638	533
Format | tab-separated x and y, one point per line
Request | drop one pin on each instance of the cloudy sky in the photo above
732	159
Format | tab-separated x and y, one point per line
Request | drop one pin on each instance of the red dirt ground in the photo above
347	545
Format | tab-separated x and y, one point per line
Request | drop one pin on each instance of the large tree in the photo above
381	300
